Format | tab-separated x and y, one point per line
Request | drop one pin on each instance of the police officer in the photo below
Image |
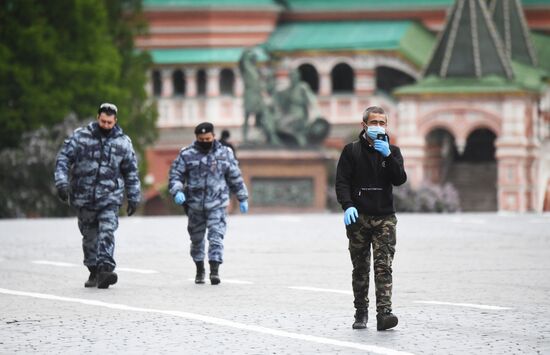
201	177
367	170
93	168
224	140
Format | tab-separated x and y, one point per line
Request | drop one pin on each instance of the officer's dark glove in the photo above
132	207
63	194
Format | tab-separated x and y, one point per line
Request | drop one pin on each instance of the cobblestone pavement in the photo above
463	284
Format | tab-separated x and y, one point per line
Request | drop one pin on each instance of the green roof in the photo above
542	49
528	3
510	23
436	85
383	5
345	5
529	77
406	37
223	4
467	59
200	55
526	78
469	46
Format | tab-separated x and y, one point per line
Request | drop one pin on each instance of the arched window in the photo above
201	82
157	83
308	73
342	79
227	82
440	154
443	142
480	146
389	79
178	82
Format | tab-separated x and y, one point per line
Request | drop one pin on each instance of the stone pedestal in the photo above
285	180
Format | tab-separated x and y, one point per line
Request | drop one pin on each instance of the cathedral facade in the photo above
465	83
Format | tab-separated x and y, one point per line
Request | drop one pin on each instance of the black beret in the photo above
204	127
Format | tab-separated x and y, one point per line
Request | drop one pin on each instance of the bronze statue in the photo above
298	105
254	103
290	116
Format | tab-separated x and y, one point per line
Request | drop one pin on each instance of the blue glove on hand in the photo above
179	199
244	206
350	216
382	146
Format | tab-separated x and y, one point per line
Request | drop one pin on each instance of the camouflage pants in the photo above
214	221
378	232
98	239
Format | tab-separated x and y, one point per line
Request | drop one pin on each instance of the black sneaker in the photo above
361	318
106	277
385	320
92	279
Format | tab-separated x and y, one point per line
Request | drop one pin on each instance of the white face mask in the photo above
373	131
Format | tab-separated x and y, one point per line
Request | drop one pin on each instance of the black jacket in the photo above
364	180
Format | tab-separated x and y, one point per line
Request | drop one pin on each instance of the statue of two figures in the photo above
289	117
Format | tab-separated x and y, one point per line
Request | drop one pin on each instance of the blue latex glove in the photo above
382	146
350	216
179	199
243	206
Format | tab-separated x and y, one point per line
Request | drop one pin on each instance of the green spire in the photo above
469	45
510	23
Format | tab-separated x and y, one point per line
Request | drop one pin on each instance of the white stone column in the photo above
167	86
149	84
412	144
325	83
513	157
191	82
365	81
190	102
212	94
212	82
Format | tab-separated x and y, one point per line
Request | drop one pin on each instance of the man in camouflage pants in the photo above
367	170
201	177
93	168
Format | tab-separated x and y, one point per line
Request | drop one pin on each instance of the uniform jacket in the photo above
98	169
207	177
364	180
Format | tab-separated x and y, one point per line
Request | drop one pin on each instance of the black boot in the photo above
361	318
214	269
92	279
106	276
385	320
199	277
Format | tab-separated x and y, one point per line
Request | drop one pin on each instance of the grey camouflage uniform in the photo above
206	179
97	170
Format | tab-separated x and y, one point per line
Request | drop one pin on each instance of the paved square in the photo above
463	284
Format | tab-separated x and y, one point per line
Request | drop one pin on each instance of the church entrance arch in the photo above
469	163
440	155
474	173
